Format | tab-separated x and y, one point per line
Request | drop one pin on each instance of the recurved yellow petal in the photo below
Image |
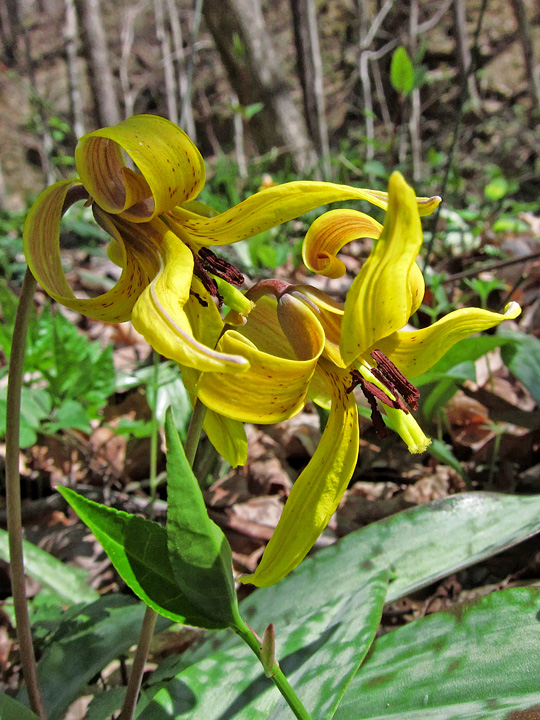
275	205
161	312
329	233
416	351
276	384
170	168
318	490
226	435
41	240
379	300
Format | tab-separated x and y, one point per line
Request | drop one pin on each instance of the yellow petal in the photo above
417	287
276	384
274	206
416	351
173	321
226	435
170	166
379	300
318	490
329	233
41	239
330	314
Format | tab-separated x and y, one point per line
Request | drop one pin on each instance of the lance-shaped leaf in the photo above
138	550
476	661
200	555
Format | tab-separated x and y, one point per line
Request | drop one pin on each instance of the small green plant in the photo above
68	378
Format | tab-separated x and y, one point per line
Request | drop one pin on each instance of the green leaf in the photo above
419	546
402	71
68	583
11	709
138	550
199	552
475	661
318	656
87	640
523	358
497	189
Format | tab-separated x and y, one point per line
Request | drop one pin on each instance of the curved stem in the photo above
154	437
139	663
150	617
13	494
278	678
194	431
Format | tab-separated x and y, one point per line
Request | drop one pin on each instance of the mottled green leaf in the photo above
523	358
419	546
68	583
11	709
138	550
86	641
200	554
318	656
476	661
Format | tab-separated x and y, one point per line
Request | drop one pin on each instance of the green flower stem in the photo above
154	437
194	431
279	679
139	663
13	494
149	621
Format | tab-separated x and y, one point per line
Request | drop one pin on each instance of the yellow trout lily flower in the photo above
389	289
298	343
161	235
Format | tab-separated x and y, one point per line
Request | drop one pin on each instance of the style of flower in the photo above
299	343
161	238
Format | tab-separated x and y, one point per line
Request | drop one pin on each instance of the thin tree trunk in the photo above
162	35
308	54
526	39
74	92
127	36
463	52
96	53
187	120
243	42
414	120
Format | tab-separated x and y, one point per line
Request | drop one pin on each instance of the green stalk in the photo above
13	494
149	621
278	678
154	437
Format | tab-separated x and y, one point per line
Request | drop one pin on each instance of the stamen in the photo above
208	282
220	267
396	382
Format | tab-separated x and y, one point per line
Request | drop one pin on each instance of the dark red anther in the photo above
220	267
394	380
